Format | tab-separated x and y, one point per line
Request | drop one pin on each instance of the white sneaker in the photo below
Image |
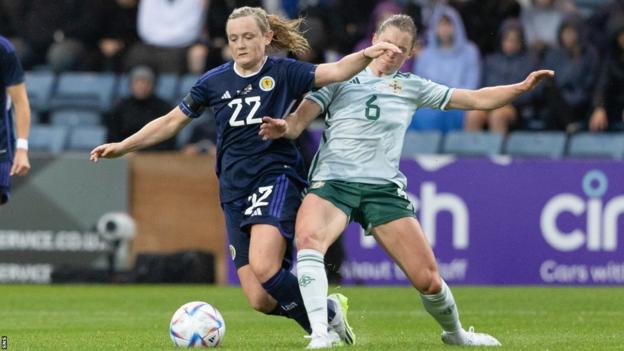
340	324
329	340
469	338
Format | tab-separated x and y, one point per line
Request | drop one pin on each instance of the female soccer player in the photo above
355	174
260	181
13	154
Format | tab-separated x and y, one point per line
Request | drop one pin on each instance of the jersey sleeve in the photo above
301	76
426	93
196	100
11	69
324	96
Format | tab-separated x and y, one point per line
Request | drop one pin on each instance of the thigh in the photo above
267	251
404	240
319	223
5	182
238	238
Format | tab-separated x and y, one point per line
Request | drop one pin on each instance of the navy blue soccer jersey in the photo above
11	73
238	104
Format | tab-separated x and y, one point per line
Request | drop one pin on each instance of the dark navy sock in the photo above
284	288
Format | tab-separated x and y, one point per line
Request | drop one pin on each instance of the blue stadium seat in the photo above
424	142
166	87
86	137
473	144
549	145
186	83
47	138
39	86
592	145
75	117
84	90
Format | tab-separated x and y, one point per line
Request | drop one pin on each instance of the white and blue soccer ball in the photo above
197	324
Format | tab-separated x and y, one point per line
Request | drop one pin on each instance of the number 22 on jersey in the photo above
237	105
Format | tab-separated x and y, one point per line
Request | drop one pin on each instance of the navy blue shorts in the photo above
275	201
5	182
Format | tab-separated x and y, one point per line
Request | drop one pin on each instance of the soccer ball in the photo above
197	324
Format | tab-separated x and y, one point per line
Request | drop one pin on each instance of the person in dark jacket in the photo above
567	100
510	64
135	111
608	99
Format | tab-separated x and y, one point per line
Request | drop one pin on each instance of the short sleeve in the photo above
196	100
429	94
300	76
11	69
324	96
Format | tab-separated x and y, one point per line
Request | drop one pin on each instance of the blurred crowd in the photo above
462	43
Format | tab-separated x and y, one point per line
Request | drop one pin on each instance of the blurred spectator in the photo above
167	28
449	58
510	64
541	21
602	20
349	24
382	11
117	32
483	20
566	100
135	111
203	137
60	33
608	111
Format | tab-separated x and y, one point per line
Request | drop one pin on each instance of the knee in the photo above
431	282
264	269
309	239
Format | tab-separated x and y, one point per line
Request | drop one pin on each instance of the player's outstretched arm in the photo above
19	97
490	98
162	128
350	65
293	125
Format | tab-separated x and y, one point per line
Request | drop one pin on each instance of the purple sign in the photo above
504	221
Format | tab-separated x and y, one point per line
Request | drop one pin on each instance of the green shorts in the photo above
368	204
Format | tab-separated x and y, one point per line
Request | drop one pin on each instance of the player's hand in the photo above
272	128
533	79
380	49
112	150
21	165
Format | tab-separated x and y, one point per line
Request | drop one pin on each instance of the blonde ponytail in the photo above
286	33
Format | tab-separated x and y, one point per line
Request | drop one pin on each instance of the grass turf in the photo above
136	317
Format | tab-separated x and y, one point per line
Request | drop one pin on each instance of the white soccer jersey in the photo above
366	122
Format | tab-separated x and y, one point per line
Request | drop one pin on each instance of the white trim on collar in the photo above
250	74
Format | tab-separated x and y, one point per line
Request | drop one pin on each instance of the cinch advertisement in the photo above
504	221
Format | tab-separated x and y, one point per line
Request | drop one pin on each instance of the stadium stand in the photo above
84	90
419	143
85	138
592	145
166	87
47	138
536	144
40	85
472	144
73	117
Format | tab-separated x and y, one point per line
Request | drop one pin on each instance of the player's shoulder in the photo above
5	45
217	72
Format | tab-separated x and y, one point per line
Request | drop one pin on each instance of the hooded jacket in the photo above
458	66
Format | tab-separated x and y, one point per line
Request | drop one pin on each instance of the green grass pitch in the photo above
136	317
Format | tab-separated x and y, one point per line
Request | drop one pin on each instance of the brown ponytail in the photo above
286	33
